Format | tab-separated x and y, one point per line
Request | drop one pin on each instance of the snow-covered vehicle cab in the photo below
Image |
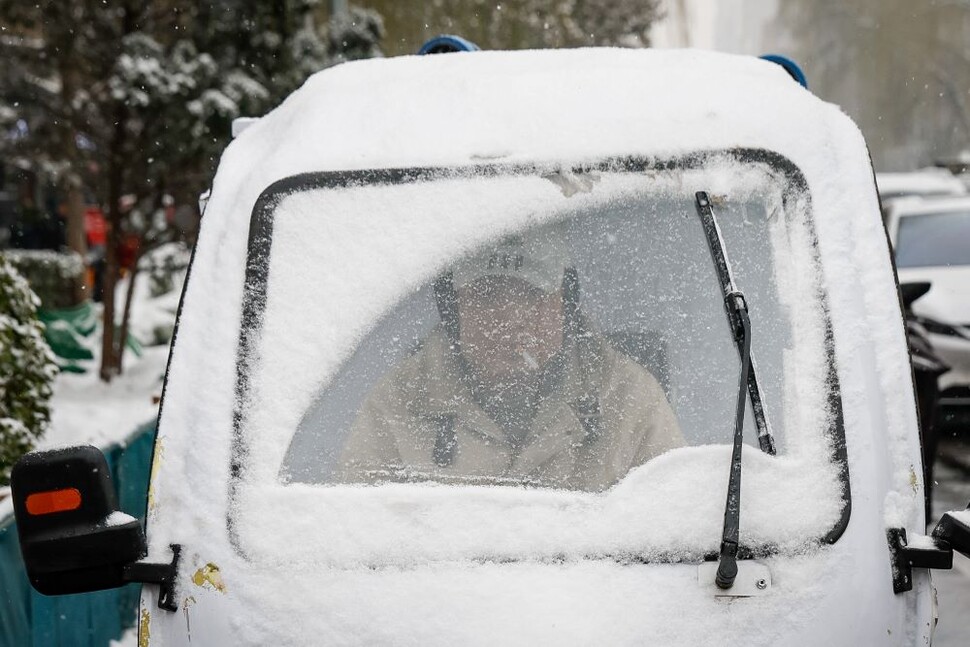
558	347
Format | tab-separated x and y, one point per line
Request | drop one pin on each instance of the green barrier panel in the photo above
14	589
81	317
66	328
29	619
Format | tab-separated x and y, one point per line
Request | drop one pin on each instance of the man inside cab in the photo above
513	386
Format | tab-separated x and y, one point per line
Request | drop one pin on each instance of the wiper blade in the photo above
719	255
737	311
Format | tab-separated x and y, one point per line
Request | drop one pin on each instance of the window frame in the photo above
260	242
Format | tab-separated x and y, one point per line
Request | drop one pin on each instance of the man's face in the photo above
509	329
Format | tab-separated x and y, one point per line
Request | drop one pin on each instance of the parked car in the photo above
925	183
475	348
932	244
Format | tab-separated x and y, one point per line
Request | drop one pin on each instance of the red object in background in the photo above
95	227
128	251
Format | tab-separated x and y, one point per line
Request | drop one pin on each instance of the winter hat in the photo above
540	258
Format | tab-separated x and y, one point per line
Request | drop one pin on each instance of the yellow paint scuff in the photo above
143	628
156	466
209	575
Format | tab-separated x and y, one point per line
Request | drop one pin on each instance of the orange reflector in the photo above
54	501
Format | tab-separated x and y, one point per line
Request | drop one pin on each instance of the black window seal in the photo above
261	238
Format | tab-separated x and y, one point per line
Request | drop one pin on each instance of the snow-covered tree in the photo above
519	24
135	98
27	369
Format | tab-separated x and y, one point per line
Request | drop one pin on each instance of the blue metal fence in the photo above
29	619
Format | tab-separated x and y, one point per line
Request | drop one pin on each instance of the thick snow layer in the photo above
922	542
581	603
561	107
117	518
672	508
963	516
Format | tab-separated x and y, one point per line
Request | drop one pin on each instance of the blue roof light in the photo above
790	66
446	44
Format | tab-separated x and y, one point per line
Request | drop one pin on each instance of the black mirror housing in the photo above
954	529
73	537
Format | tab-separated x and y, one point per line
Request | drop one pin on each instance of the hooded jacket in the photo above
605	416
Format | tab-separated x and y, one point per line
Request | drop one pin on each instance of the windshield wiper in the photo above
731	305
737	312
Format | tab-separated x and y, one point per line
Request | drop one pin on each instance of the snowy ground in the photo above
129	639
85	410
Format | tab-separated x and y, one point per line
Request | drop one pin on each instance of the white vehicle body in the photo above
449	564
930	182
948	300
926	183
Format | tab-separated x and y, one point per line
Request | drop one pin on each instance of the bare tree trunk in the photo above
110	348
126	315
108	361
76	238
74	231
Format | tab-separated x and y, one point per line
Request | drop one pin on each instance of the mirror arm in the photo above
161	574
954	528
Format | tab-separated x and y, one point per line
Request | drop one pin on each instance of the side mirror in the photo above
913	291
73	537
954	529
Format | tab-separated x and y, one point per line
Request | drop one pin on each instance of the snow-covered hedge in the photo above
27	370
165	267
158	287
51	275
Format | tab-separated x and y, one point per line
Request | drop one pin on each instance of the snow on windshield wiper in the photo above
737	312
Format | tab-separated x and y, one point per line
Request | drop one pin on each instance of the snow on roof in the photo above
549	104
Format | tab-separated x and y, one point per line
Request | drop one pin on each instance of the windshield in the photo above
560	355
557	331
934	240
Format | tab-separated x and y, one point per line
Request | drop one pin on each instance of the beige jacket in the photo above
421	422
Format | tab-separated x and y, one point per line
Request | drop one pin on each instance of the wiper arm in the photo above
719	255
737	311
